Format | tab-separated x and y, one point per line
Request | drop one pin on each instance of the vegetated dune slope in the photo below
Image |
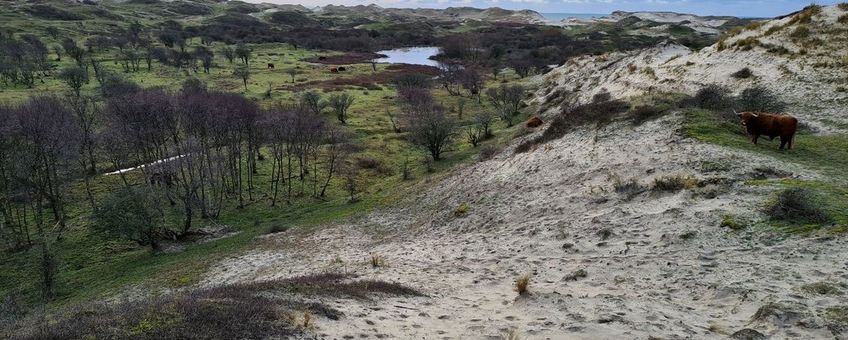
604	264
806	62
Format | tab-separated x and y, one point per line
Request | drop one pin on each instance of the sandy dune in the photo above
658	265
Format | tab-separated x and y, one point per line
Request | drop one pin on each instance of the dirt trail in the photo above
657	265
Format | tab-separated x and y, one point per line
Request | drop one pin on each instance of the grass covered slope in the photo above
827	154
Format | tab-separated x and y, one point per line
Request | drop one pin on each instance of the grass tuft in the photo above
522	283
377	261
728	221
461	210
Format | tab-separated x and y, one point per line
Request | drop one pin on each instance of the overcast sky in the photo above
743	8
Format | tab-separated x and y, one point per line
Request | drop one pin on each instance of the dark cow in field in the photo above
270	66
770	125
342	69
334	70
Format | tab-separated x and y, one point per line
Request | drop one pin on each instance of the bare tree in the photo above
293	72
507	100
243	52
395	126
472	81
75	77
74	51
243	73
450	77
521	67
336	152
205	56
340	103
50	137
426	122
312	101
483	120
228	53
473	135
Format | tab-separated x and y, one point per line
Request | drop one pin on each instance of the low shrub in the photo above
276	228
747	43
576	275
843	19
601	97
806	15
822	288
643	113
487	152
712	97
674	183
744	73
801	32
630	188
373	164
796	206
727	221
604	233
843	6
759	99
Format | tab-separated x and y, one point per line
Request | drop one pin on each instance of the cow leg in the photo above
754	139
791	141
783	142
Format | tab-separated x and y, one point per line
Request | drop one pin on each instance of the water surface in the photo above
557	17
409	55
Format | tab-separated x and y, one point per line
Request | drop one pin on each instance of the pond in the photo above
409	55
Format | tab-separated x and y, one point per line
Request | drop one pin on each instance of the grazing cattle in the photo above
322	58
534	122
334	70
270	66
770	125
342	69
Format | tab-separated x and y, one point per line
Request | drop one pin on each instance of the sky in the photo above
739	8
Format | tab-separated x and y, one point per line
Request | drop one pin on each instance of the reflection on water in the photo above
410	55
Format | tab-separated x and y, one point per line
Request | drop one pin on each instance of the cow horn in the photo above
736	113
755	115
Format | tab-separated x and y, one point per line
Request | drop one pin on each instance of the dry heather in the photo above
243	311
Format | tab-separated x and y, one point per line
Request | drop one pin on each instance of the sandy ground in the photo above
657	265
